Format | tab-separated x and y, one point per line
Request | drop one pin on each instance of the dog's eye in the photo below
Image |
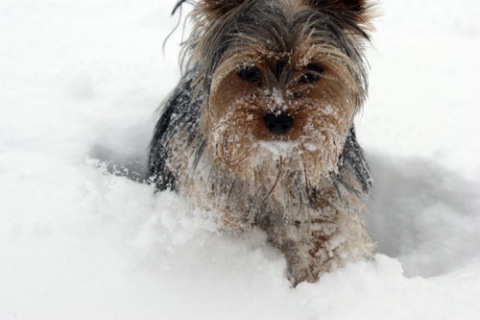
249	74
311	77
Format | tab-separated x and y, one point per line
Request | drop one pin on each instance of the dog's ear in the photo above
217	8
354	10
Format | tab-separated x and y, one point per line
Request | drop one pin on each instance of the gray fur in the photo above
287	206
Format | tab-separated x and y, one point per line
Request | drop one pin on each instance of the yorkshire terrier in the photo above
260	131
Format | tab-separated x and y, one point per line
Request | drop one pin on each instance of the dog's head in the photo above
283	79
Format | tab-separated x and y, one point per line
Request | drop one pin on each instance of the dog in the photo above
260	130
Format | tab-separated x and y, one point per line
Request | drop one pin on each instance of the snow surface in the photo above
80	83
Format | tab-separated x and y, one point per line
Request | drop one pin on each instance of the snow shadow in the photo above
424	215
131	166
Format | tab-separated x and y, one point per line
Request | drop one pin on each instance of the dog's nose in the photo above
278	123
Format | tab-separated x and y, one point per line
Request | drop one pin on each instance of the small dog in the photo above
260	129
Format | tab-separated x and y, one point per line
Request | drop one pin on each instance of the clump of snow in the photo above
81	238
279	105
279	149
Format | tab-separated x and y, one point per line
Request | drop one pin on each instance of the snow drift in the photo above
81	239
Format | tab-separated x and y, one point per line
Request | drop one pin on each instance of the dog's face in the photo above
286	78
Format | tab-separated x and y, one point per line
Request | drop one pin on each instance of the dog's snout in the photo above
278	123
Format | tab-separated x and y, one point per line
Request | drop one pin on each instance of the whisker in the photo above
280	169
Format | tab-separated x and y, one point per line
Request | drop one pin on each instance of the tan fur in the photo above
287	184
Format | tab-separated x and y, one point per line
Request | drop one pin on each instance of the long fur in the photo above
308	205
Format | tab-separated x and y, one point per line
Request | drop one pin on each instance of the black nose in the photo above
278	124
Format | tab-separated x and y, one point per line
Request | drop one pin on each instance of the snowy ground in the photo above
80	82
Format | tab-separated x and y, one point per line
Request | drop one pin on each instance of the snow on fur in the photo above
80	85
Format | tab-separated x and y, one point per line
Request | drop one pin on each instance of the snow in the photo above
80	85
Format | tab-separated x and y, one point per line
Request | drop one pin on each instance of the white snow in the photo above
80	84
